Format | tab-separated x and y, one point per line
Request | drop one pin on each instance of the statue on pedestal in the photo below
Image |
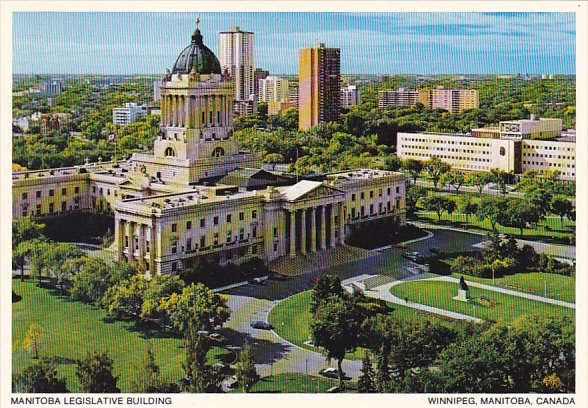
463	291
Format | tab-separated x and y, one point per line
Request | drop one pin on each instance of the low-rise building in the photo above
130	113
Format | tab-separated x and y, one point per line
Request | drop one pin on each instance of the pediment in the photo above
306	190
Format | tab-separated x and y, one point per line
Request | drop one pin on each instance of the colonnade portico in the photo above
132	237
195	111
314	228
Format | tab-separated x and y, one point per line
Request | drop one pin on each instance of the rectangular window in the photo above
353	213
229	235
371	208
64	191
241	216
275	247
189	225
38	194
241	234
93	189
389	190
216	239
174	227
51	193
228	218
77	190
174	248
254	214
51	207
202	241
174	266
254	231
275	232
188	245
202	223
25	196
362	195
215	220
63	206
352	197
397	190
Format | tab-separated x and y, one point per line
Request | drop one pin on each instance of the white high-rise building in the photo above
273	89
236	56
131	112
349	96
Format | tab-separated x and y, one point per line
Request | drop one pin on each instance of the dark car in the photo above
258	324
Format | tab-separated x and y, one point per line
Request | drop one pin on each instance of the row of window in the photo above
39	193
543	147
51	210
448	157
380	193
215	220
361	211
547	164
550	156
442	141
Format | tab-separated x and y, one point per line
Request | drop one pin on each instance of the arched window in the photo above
502	151
218	152
169	152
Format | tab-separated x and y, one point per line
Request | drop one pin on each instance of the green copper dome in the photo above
197	56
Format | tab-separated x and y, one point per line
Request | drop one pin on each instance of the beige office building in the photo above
199	198
451	100
273	89
512	148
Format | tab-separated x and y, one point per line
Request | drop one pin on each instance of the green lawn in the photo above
73	328
294	313
440	294
298	383
558	286
554	233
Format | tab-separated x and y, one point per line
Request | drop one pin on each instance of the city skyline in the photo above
421	43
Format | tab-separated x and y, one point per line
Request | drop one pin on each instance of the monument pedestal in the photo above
462	295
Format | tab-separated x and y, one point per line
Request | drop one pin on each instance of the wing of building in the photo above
198	198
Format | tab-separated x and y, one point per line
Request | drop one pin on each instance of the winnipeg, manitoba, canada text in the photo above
91	400
466	400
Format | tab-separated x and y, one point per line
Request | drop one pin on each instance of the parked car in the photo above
259	324
411	255
259	279
330	372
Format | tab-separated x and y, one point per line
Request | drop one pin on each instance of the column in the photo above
181	110
152	250
303	232
323	230
341	224
189	112
292	233
174	103
141	245
332	229
120	238
131	248
313	229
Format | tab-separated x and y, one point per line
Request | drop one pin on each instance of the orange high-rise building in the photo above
319	91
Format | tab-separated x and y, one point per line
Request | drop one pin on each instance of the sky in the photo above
371	43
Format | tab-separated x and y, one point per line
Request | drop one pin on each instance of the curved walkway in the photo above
383	292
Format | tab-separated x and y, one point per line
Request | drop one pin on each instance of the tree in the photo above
127	297
94	374
92	280
480	179
436	168
439	205
413	194
24	230
196	305
413	167
40	377
246	372
33	339
500	178
454	178
199	375
39	259
160	288
492	209
467	207
366	382
393	163
147	377
335	328
383	372
59	254
325	286
518	214
561	206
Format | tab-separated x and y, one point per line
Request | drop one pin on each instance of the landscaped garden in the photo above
291	320
298	383
485	304
72	328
